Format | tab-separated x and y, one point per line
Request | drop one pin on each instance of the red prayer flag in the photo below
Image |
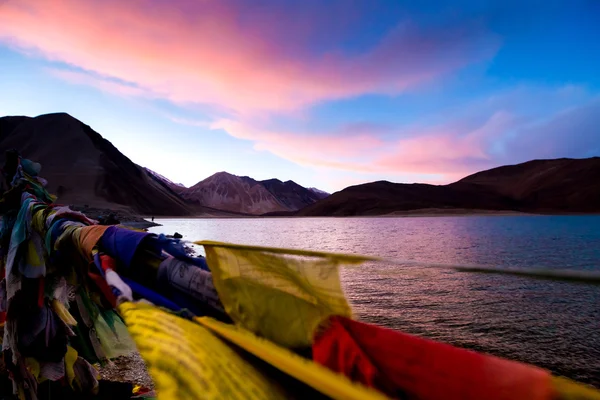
409	367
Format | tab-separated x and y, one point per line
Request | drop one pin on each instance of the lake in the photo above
555	325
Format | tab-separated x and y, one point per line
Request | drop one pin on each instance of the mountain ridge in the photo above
83	168
86	170
247	195
231	193
563	185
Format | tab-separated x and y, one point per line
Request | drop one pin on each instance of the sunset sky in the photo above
326	93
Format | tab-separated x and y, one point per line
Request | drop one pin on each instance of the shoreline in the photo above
419	213
140	221
144	224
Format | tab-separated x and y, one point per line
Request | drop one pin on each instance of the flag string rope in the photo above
558	274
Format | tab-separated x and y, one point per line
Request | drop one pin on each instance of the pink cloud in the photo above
437	154
103	84
329	151
210	52
446	149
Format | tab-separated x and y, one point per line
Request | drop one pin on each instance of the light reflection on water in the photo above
551	324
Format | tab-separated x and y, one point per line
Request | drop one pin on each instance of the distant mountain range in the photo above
245	195
83	168
539	186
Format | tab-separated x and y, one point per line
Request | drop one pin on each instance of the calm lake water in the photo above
554	325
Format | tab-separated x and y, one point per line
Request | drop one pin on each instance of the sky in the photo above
323	92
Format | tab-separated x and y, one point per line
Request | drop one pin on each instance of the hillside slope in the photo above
290	194
569	185
228	192
243	194
562	185
83	168
382	197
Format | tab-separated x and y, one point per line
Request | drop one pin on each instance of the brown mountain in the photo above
83	168
554	186
246	195
289	194
560	185
228	192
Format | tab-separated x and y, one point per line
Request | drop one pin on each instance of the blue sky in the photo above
327	94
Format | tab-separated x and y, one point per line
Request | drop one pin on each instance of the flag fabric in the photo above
282	295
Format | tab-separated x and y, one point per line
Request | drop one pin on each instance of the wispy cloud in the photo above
489	132
221	53
102	83
573	132
446	150
249	64
330	151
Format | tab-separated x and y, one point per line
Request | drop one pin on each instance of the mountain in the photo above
320	193
228	192
291	195
559	185
554	186
175	187
246	195
382	197
83	168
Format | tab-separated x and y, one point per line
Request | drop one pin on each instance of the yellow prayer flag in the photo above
279	294
187	361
